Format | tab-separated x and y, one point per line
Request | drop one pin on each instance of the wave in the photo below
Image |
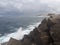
19	33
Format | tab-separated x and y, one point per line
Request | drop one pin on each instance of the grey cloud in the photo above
21	7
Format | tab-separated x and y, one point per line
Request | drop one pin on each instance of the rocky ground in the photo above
47	33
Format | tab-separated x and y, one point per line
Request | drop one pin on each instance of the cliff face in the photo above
47	33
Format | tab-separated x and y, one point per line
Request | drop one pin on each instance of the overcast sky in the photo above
21	7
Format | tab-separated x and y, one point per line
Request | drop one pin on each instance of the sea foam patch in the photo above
19	33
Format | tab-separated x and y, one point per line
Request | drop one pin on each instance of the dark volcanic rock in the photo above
47	33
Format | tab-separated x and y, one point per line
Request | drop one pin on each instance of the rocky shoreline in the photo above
47	33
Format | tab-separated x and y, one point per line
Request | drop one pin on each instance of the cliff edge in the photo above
47	33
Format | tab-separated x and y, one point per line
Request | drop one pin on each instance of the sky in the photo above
28	7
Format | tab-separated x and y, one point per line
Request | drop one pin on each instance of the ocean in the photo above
17	27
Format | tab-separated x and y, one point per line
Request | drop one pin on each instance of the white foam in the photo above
19	33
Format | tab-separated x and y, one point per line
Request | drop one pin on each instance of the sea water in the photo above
17	27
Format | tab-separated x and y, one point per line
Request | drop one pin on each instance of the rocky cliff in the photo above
47	33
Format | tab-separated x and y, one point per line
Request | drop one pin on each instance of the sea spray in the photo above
19	33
